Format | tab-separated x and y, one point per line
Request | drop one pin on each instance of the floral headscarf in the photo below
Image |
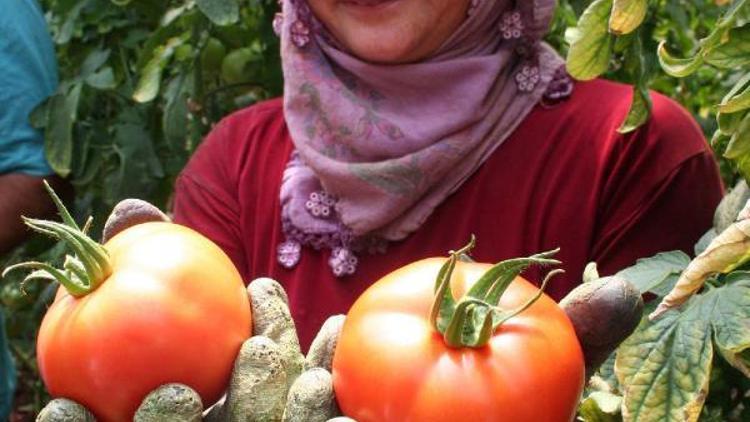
378	147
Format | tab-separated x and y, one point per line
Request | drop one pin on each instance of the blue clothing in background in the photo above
7	374
28	75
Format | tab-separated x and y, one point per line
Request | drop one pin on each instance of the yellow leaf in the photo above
725	253
627	16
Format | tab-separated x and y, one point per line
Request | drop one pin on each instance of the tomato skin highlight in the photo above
391	365
175	309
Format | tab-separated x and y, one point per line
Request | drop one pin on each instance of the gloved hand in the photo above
604	312
271	380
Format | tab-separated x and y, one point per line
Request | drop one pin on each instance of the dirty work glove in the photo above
271	380
604	312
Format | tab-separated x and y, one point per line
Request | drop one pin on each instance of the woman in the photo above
408	125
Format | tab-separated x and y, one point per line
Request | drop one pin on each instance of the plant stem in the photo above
471	321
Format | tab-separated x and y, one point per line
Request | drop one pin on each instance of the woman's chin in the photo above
391	31
369	8
384	48
382	55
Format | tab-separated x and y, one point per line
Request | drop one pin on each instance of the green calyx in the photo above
471	321
83	271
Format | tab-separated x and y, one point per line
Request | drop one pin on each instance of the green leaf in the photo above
728	122
705	241
658	273
738	359
736	103
174	119
665	365
220	12
734	52
743	166
139	164
640	110
93	62
739	144
676	67
103	79
65	33
590	42
720	32
600	406
590	273
606	374
731	319
148	85
635	65
172	14
664	368
627	16
160	37
741	85
58	145
735	10
235	65
39	117
730	206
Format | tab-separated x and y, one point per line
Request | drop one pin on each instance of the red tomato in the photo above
175	309
391	365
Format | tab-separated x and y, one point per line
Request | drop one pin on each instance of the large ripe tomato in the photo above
174	310
391	365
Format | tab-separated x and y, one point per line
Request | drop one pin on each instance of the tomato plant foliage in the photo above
141	84
648	43
692	364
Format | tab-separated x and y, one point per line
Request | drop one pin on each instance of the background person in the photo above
28	75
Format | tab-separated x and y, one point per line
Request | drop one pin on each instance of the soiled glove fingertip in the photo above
258	386
170	402
604	313
311	398
323	346
64	410
272	319
128	213
263	287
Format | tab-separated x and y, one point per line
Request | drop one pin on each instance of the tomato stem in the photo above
442	286
46	271
83	271
472	320
531	301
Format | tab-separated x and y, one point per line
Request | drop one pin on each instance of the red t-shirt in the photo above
565	178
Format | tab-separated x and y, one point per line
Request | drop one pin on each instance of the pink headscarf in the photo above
378	147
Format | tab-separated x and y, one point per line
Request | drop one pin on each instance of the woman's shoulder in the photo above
591	117
609	102
243	131
257	117
580	138
255	134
